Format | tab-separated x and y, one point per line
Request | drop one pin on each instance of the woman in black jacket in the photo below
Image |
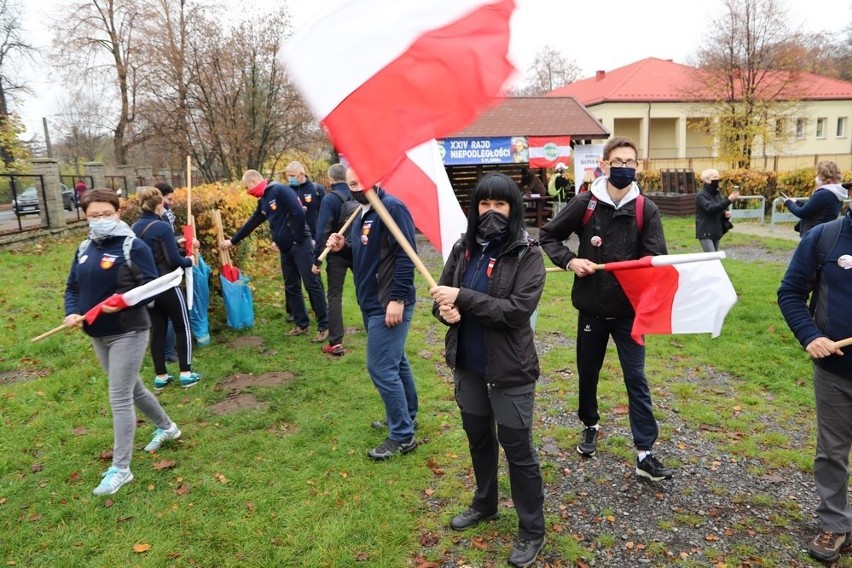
488	291
711	212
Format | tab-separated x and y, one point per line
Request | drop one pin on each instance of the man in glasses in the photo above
613	222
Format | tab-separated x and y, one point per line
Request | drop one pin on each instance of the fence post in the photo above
129	175
97	172
53	213
146	175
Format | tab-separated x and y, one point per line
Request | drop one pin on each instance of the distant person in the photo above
520	151
558	185
334	211
825	202
606	220
310	194
712	217
103	265
79	190
817	332
531	183
278	204
384	284
167	191
490	287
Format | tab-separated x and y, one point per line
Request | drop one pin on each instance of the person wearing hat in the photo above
558	183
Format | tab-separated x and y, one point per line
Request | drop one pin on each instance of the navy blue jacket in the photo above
101	271
158	235
382	270
329	211
280	206
822	207
833	315
310	195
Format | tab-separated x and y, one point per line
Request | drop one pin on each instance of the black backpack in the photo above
826	243
347	208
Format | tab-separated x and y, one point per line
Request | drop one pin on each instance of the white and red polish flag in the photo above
386	77
679	293
136	295
421	181
547	151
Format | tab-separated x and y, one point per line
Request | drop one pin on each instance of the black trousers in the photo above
504	416
335	269
170	306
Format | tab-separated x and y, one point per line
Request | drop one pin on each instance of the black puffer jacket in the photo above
600	294
515	287
710	210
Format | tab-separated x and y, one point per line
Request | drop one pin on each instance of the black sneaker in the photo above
470	518
653	469
389	448
525	551
588	446
382	424
828	546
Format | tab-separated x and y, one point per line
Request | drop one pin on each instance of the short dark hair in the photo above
164	188
100	196
619	142
495	185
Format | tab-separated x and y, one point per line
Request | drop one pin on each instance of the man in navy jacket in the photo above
280	206
384	284
310	194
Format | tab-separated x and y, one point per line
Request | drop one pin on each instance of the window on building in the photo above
820	128
841	127
779	127
800	128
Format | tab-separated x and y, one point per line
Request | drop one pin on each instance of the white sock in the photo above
642	455
596	427
185	373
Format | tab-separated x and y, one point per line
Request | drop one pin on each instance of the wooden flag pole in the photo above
397	234
341	230
56	329
843	343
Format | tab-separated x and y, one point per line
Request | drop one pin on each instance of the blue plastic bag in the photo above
239	302
200	302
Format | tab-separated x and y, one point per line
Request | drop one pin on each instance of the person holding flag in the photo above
490	287
614	222
113	261
384	286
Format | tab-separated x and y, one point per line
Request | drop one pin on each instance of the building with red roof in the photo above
658	104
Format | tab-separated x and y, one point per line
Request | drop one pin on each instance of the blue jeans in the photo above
388	367
296	265
592	337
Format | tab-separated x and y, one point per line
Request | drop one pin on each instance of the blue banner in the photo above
463	151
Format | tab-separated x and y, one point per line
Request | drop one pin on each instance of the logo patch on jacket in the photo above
308	198
491	263
273	205
107	261
365	231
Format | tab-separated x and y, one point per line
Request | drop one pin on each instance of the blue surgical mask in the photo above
293	181
100	228
621	177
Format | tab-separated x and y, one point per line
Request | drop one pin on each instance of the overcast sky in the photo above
596	35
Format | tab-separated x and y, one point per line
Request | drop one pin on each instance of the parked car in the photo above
27	201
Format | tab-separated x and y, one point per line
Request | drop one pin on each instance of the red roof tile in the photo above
659	80
536	116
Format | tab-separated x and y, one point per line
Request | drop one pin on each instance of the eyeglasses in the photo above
354	184
618	163
94	216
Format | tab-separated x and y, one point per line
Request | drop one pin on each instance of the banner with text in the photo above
587	158
466	151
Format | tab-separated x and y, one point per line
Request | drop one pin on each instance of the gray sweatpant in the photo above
834	440
121	357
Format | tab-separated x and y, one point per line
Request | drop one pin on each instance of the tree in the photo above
12	46
550	70
751	77
82	133
100	37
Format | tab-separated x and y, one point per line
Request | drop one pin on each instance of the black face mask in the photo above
713	184
621	177
360	197
491	225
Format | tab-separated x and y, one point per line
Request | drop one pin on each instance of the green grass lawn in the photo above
290	484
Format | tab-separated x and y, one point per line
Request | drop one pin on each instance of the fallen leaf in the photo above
737	408
141	547
183	489
74	477
220	478
621	409
361	557
479	543
173	555
109	503
344	475
250	506
610	518
428	539
36	467
556	528
429	491
712	538
163	464
34	518
80	431
124	519
2	501
105	456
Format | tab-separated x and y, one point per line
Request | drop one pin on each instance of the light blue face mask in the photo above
293	181
100	228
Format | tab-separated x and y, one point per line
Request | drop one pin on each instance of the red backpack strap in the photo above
640	212
590	209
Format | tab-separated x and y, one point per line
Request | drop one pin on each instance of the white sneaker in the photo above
114	479
161	436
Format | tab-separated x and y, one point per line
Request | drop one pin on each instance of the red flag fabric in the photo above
406	73
547	151
421	181
188	237
691	297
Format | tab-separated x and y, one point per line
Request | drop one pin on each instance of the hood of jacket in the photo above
122	229
838	190
599	190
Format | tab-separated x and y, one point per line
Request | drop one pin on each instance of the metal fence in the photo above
754	207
